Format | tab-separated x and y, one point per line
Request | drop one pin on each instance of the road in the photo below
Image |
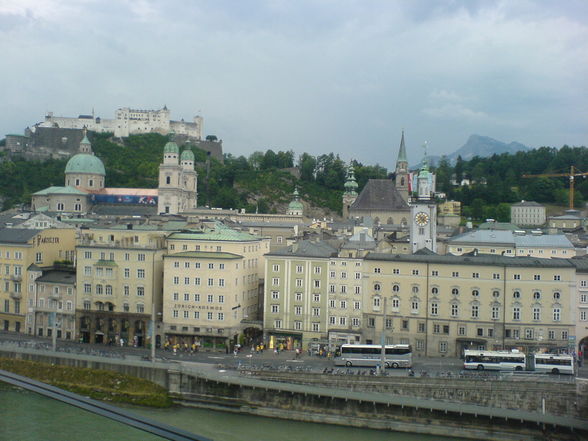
431	366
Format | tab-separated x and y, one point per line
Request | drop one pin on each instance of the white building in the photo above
527	213
129	121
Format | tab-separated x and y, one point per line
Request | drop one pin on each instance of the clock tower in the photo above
423	229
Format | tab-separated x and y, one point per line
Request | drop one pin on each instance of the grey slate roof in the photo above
480	259
380	194
17	235
527	204
306	248
508	238
58	276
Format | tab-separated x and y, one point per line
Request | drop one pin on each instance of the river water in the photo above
27	416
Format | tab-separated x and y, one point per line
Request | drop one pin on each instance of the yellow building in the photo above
211	287
22	252
445	304
119	283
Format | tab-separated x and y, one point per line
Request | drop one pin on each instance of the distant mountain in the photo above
482	146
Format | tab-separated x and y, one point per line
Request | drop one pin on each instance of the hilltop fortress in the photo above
129	122
60	136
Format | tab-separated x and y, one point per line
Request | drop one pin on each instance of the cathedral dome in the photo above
171	147
187	155
85	163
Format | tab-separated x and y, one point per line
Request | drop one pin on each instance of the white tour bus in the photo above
554	364
371	355
494	360
516	361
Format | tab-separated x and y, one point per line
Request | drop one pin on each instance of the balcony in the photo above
16	295
16	278
158	244
55	295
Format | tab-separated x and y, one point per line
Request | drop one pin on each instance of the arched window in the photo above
475	293
377	287
434	290
536	295
556	295
495	294
455	291
415	289
516	295
396	288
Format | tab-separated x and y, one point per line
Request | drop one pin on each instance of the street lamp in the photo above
153	333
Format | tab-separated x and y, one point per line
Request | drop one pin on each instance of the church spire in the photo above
402	162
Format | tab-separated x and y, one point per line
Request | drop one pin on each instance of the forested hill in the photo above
264	180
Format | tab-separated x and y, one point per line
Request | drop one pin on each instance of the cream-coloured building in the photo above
511	243
211	286
440	305
54	303
528	214
22	251
119	283
581	309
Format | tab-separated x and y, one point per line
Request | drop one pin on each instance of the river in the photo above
27	416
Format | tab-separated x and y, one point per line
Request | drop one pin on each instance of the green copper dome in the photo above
171	147
187	155
85	163
295	205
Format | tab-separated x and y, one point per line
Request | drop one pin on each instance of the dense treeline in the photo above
498	180
265	181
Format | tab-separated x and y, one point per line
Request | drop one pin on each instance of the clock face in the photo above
421	219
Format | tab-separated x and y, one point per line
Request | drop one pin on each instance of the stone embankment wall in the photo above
524	394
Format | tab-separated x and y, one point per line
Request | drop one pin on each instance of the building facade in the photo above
211	287
22	253
441	305
119	284
178	181
528	214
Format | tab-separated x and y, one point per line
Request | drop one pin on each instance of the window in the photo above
298	296
536	295
455	274
496	276
38	257
557	277
196	314
342	321
495	312
87	288
583	315
299	269
357	290
108	290
209	315
87	271
396	271
140	256
355	321
316	312
529	333
434	308
442	346
405	325
377	287
454	310
140	274
317	283
564	335
316	327
556	295
421	327
537	277
332	274
377	270
395	304
87	305
435	290
186	280
415	272
140	291
475	293
298	283
197	281
516	276
516	313
276	281
461	330
186	314
210	282
556	314
395	288
435	273
210	298
536	313
356	305
516	295
371	322
475	311
298	310
275	268
388	323
343	274
455	291
196	297
414	307
357	276
141	308
298	325
343	304
376	302
275	295
436	329
475	275
317	269
221	282
316	297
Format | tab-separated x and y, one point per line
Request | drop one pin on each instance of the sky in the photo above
342	76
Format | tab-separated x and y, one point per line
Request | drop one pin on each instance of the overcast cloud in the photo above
318	76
